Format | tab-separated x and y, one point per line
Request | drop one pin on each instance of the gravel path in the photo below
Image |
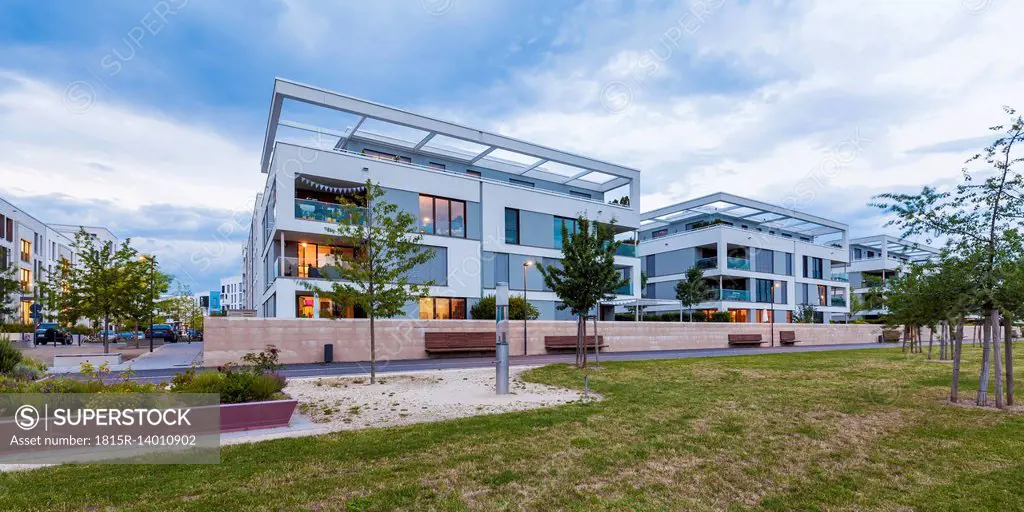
344	403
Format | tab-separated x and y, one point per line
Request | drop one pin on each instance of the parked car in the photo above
129	335
45	333
195	335
110	335
164	332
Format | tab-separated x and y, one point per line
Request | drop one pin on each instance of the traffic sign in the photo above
36	308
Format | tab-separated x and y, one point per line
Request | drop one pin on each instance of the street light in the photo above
152	295
771	317
527	264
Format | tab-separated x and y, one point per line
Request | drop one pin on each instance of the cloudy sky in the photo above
147	116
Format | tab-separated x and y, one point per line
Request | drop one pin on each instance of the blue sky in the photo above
147	117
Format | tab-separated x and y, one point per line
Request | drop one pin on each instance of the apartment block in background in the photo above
231	293
876	259
489	207
34	248
757	257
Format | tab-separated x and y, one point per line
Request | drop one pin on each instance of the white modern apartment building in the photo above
35	249
489	207
876	259
758	258
231	293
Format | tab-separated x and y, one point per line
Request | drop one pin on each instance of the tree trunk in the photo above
997	357
579	341
106	327
373	351
931	340
584	338
958	342
986	358
1008	343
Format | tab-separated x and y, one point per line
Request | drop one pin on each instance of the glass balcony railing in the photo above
841	277
306	269
838	302
738	263
628	250
626	289
707	263
318	211
741	295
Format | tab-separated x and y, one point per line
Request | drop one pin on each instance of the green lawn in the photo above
849	430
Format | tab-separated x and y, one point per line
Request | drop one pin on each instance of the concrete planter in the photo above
76	360
256	415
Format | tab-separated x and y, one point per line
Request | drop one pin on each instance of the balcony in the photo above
738	263
707	263
626	289
738	295
318	211
838	302
842	277
305	269
628	250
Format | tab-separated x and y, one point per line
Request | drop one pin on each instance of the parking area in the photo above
45	353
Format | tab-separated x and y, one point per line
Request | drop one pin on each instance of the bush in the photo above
265	361
236	384
10	356
26	371
720	316
485	308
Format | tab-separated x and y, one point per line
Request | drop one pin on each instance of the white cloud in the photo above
901	75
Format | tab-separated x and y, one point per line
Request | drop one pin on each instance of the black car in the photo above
45	333
164	332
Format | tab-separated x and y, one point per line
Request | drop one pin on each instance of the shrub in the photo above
265	361
720	316
485	308
10	356
26	371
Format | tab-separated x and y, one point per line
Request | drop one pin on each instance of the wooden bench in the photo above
787	337
460	341
745	339
890	336
569	342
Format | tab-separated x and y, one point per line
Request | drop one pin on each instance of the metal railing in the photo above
838	302
625	249
319	211
842	277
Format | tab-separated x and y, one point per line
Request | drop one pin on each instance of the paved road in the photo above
336	369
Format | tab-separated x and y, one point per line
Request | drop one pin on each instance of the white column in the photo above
281	259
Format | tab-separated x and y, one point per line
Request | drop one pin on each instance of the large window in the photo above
26	280
813	267
10	229
442	308
766	294
511	226
441	216
764	261
568	224
26	250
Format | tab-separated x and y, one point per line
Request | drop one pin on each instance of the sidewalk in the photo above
179	355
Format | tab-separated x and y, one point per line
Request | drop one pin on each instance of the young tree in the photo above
976	219
485	309
586	275
805	314
693	289
375	277
104	278
145	284
60	294
10	291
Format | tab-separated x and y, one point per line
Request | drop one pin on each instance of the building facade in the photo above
876	259
759	259
231	293
34	249
489	207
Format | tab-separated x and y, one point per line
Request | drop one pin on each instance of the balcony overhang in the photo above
441	139
741	208
899	247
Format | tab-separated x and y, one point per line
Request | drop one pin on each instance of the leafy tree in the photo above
375	276
61	295
978	219
145	285
586	274
103	278
805	314
693	289
485	309
10	291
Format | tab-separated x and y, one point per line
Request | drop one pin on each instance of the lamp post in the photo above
152	295
771	317
527	264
